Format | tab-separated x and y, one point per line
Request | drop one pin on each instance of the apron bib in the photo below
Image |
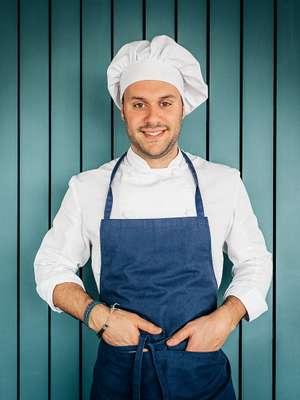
160	269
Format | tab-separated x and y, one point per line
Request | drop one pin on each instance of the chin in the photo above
155	153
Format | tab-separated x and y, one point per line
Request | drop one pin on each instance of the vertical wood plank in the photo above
34	150
159	18
192	30
96	136
224	120
65	135
8	200
258	178
288	200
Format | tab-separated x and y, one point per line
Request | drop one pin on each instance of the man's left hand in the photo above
206	333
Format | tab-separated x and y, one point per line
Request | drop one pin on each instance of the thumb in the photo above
178	337
148	326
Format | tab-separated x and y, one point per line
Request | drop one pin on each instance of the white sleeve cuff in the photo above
45	290
252	299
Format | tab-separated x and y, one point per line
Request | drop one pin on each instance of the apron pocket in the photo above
109	346
130	348
213	356
112	372
194	374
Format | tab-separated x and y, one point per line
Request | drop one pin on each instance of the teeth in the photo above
153	133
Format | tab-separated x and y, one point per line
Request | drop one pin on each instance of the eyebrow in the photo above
162	97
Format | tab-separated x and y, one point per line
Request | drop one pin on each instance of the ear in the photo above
122	113
122	108
182	103
183	115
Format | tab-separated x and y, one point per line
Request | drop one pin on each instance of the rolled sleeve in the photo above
252	262
64	248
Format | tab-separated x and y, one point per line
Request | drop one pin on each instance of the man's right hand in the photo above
123	326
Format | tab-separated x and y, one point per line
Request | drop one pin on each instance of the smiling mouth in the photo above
154	134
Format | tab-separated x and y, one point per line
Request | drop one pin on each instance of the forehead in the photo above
150	90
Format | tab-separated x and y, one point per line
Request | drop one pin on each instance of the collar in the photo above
139	163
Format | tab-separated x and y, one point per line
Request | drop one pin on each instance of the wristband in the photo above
105	325
88	310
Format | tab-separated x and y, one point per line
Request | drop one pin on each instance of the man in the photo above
158	219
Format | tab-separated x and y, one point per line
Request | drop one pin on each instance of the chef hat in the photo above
159	59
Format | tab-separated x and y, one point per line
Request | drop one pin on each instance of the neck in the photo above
161	162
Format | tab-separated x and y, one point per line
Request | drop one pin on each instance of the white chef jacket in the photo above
140	191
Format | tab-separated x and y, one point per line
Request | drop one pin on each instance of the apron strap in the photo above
109	198
137	368
198	198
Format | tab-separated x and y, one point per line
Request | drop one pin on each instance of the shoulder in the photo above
90	176
92	183
218	181
214	171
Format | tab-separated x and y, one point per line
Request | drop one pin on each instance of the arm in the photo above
71	298
234	310
252	262
64	248
245	296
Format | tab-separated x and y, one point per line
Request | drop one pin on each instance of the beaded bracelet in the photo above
88	310
105	325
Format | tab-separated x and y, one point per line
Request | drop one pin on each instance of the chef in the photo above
157	219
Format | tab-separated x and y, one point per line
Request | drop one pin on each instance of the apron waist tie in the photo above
137	369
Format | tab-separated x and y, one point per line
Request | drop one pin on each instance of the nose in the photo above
153	115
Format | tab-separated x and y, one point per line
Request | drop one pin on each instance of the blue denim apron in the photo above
161	269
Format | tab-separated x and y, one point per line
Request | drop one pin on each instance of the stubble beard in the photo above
167	148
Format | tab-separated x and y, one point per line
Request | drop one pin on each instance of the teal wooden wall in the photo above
57	119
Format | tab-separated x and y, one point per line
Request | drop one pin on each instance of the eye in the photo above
166	103
138	104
